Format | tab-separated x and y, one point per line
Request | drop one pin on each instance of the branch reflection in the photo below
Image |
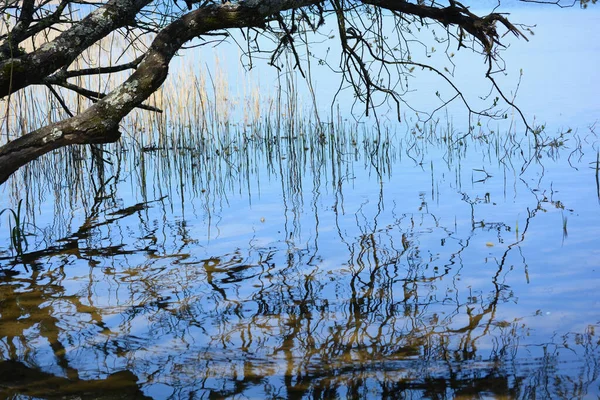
321	269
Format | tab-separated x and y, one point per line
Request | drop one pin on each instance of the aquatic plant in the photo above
16	228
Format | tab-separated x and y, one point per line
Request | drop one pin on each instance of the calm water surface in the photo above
332	269
349	264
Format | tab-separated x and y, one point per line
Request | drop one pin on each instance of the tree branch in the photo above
19	72
63	74
483	28
15	36
99	123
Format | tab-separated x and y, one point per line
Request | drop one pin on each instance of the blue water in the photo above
412	266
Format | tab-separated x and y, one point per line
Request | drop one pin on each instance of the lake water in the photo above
319	264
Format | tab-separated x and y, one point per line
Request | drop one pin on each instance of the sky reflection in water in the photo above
356	265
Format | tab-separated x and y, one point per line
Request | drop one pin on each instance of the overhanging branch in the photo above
99	123
31	68
483	28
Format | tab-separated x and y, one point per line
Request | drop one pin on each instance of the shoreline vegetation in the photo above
213	135
207	116
242	242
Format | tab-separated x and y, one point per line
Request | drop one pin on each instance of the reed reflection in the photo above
305	266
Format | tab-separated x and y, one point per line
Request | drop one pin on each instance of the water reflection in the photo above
311	266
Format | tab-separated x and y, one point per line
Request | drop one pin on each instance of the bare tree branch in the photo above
99	123
19	72
370	64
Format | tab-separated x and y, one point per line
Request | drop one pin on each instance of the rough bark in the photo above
19	72
99	123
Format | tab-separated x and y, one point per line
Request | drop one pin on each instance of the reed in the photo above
221	131
16	229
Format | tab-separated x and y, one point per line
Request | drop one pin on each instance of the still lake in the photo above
307	263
